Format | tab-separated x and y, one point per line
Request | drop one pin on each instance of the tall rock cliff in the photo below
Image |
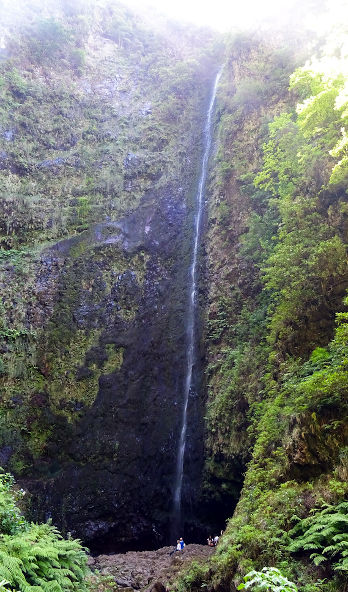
101	138
101	124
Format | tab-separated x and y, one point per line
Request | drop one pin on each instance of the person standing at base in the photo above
182	544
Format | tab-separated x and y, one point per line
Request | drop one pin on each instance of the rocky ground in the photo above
148	570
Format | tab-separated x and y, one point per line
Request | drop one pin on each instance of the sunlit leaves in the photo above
282	168
269	579
340	170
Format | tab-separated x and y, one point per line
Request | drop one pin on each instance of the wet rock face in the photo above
93	297
107	474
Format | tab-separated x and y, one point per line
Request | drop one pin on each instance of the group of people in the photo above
213	541
179	546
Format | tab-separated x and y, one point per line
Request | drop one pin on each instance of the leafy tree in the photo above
281	171
308	262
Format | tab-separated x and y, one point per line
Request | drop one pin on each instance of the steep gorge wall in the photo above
253	90
101	135
101	125
276	431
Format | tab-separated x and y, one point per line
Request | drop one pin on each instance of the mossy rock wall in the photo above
276	318
114	358
101	126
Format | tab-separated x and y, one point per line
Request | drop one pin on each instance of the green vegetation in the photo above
34	557
96	112
269	579
325	532
84	129
277	320
99	116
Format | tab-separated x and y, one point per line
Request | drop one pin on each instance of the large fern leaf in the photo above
324	531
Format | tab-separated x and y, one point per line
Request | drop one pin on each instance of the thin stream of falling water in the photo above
191	313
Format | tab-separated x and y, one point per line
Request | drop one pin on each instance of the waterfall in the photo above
192	305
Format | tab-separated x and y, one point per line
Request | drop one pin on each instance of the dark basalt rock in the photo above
5	454
112	482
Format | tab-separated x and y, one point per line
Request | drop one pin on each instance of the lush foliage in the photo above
325	533
11	519
269	579
80	147
277	321
300	157
35	557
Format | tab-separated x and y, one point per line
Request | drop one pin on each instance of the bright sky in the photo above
218	14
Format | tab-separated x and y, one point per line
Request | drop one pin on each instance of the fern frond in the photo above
342	536
318	559
311	547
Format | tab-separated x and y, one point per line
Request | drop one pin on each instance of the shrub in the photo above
268	580
11	520
325	533
35	557
47	40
